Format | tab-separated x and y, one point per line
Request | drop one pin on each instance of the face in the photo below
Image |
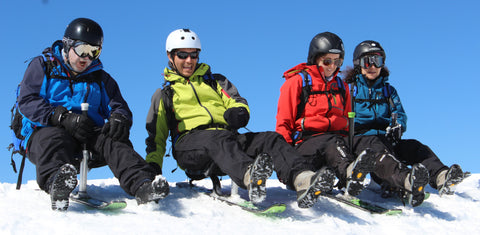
186	66
371	73
329	63
79	64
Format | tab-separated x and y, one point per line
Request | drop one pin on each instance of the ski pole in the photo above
394	123
351	130
82	188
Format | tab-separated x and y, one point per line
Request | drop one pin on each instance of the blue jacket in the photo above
373	111
40	94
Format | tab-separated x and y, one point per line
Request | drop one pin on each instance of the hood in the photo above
313	70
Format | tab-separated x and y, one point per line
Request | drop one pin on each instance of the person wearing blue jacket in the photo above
379	112
54	85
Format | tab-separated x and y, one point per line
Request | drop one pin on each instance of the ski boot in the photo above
358	170
447	180
310	185
152	190
256	177
415	183
63	183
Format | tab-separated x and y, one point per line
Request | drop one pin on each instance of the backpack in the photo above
18	145
386	91
307	91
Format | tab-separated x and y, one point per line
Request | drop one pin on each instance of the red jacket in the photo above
323	112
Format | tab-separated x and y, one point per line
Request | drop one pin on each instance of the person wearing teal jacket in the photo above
379	112
202	112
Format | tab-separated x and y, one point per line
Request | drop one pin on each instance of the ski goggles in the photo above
370	60
83	49
336	62
183	54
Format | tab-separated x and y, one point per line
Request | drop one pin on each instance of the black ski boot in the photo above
415	184
358	170
256	177
453	177
63	183
310	185
152	190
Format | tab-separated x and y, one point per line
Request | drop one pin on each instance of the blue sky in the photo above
432	52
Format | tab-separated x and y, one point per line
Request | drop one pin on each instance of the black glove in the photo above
156	168
79	126
117	127
236	117
394	133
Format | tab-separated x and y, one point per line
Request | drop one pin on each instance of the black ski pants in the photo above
51	147
233	153
388	168
411	151
327	150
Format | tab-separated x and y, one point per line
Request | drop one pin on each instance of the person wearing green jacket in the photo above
202	112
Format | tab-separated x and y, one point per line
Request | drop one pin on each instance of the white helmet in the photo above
183	38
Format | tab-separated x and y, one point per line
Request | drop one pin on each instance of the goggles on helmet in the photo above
369	60
83	49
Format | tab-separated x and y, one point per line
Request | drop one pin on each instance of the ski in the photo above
96	203
362	205
271	210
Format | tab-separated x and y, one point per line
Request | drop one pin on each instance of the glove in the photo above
117	127
236	117
394	133
79	126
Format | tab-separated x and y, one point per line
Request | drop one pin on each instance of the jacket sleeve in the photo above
232	97
31	104
287	107
157	129
398	108
116	102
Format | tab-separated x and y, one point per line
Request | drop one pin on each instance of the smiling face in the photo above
185	67
371	73
330	67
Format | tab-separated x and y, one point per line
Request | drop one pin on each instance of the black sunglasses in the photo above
183	54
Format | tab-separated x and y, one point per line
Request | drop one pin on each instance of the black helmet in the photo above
85	30
324	43
366	47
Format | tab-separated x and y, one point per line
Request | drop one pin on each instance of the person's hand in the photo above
236	117
394	133
117	127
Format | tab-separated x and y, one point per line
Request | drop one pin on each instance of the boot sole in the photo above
322	183
419	179
64	183
453	178
362	167
261	170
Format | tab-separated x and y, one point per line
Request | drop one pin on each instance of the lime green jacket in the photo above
195	104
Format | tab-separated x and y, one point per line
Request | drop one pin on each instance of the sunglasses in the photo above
370	60
336	62
83	49
184	55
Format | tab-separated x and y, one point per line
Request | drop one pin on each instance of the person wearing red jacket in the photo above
313	111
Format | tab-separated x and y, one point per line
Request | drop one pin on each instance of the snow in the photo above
27	211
